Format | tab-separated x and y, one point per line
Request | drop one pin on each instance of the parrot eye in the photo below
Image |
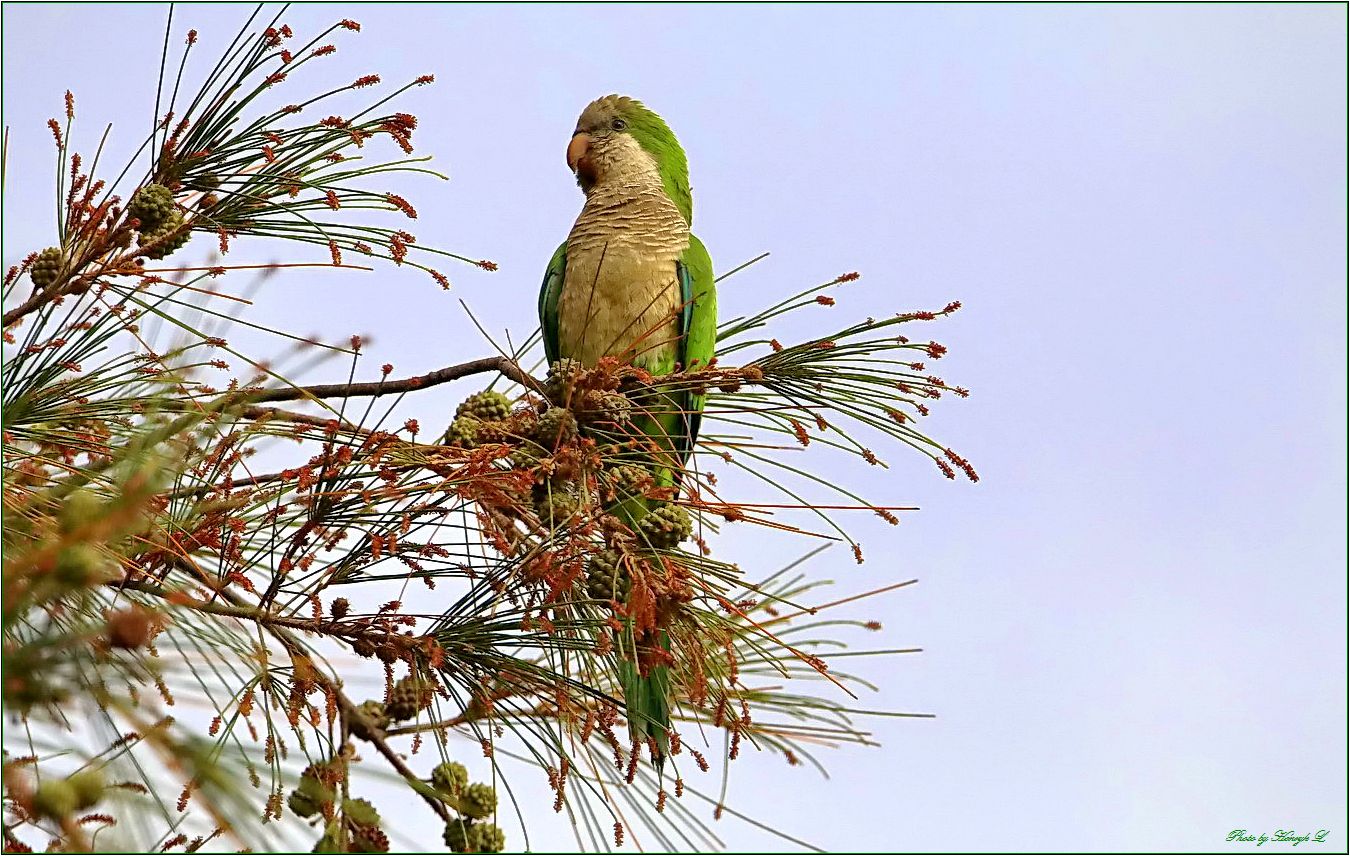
618	124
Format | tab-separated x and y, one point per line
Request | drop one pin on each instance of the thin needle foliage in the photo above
232	602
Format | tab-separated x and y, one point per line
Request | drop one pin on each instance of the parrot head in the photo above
619	140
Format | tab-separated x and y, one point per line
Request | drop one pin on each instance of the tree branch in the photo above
280	628
507	367
349	710
302	418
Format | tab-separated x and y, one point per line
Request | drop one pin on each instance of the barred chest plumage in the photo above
620	293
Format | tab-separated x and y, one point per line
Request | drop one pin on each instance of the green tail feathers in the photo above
647	698
647	702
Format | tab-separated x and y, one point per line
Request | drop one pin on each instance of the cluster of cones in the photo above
588	467
353	825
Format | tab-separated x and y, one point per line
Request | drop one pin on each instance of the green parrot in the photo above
631	281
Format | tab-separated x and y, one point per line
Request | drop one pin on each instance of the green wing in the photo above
698	330
548	302
647	698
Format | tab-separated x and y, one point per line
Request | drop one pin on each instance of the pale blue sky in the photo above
1135	624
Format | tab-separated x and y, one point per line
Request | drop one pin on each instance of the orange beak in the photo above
577	151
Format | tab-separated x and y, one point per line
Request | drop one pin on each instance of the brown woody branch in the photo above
350	711
280	628
504	365
301	418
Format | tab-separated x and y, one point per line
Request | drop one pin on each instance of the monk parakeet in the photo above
632	282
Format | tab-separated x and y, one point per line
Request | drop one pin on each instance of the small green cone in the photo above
664	527
489	406
409	697
451	777
463	837
152	205
172	245
555	426
606	579
611	407
526	456
47	267
312	787
456	835
478	801
629	481
463	432
555	504
560	385
375	714
361	811
486	838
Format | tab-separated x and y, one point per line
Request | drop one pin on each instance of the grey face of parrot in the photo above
600	115
601	143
